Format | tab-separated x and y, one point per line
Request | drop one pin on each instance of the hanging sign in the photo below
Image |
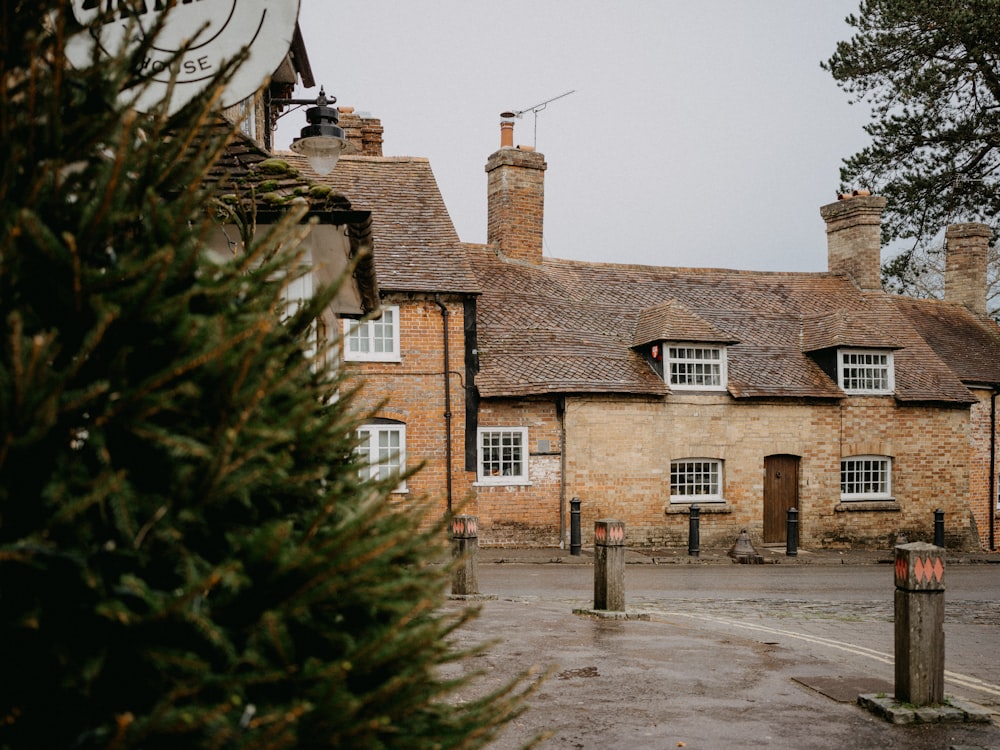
209	32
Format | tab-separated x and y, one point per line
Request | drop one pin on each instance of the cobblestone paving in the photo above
964	612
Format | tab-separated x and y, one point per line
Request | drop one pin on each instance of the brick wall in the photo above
412	391
515	203
618	451
981	494
518	515
853	231
618	454
967	248
363	132
931	464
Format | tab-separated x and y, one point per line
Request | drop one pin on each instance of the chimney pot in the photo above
506	134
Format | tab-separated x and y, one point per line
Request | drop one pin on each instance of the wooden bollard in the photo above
609	565
919	624
465	547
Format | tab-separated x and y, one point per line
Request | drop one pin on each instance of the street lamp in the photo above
322	141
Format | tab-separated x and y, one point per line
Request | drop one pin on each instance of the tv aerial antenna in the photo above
535	109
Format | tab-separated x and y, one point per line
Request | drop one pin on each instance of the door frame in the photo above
781	492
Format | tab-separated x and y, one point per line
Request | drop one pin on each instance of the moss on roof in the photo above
248	174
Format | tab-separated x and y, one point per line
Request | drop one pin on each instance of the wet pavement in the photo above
719	655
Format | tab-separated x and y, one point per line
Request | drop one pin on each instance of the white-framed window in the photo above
293	296
502	455
296	292
382	446
865	371
866	478
244	114
373	340
700	368
696	480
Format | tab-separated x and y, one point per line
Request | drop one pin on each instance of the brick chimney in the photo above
363	132
966	250
854	237
515	199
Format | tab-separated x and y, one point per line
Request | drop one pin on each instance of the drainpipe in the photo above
447	397
992	504
561	412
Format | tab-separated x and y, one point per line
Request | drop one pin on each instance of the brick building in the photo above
412	358
643	390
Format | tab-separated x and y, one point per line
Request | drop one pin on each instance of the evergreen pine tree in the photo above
930	71
188	557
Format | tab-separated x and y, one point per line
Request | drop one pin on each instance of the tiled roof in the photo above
921	373
969	343
671	321
246	170
569	326
416	246
843	328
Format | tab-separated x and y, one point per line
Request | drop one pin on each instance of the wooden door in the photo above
781	492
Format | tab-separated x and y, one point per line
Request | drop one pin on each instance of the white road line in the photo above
967	681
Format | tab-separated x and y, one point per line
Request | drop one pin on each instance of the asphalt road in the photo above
730	656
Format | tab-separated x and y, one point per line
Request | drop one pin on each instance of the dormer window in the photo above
701	368
865	372
685	349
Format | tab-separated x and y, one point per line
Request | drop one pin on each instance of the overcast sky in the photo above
700	134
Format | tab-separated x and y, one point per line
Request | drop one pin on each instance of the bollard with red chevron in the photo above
919	567
919	624
609	565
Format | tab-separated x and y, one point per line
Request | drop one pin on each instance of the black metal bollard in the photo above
574	526
694	532
792	537
939	528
